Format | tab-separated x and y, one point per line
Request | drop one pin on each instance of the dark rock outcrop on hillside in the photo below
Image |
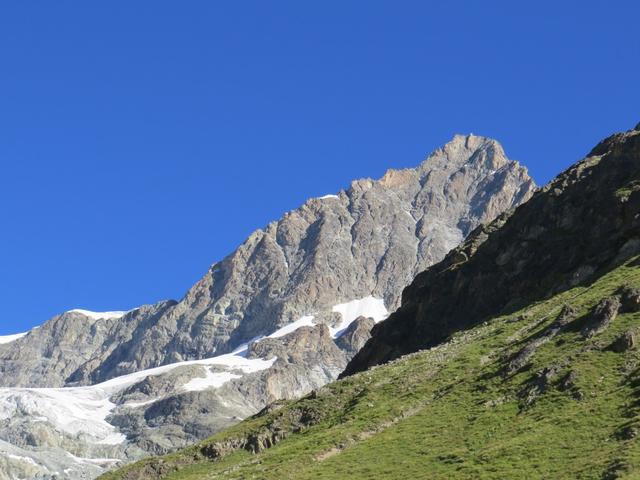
627	341
522	357
604	313
583	223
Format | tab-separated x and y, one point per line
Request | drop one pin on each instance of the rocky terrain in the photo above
515	357
280	316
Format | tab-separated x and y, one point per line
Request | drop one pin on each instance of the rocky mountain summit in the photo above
583	223
279	317
370	239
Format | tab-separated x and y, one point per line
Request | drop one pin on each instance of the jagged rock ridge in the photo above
371	239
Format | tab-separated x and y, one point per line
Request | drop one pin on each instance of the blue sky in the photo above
141	141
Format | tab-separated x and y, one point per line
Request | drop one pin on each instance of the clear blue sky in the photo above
140	141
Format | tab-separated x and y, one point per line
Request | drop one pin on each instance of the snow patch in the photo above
92	461
22	459
364	307
413	219
230	360
235	362
210	380
11	338
140	404
306	321
98	315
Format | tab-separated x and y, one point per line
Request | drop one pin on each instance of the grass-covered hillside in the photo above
551	391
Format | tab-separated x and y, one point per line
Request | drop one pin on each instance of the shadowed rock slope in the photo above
583	223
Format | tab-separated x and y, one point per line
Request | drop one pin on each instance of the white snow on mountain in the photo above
306	321
11	338
99	315
82	412
364	307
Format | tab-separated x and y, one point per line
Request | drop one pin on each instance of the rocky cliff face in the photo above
370	239
48	355
279	317
583	223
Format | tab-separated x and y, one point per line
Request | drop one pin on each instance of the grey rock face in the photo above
372	239
369	240
69	344
356	335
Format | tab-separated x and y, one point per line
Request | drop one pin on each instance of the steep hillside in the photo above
548	391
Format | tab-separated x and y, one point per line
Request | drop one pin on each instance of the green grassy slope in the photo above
453	411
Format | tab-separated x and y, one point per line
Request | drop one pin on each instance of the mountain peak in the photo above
470	140
462	150
482	153
583	223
